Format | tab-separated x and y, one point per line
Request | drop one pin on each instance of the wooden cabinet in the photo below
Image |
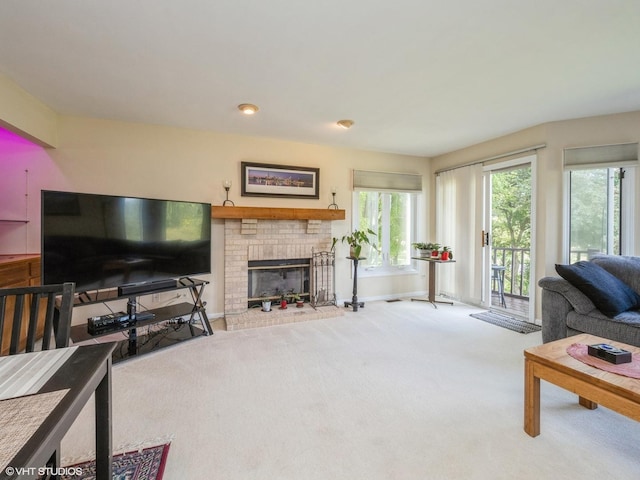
17	271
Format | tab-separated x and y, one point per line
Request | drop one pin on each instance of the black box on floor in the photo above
609	353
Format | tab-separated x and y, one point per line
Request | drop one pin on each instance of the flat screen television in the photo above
106	241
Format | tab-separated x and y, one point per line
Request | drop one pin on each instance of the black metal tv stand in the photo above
178	329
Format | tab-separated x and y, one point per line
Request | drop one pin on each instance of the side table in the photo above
432	280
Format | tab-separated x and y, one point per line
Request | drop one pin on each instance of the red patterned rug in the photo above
147	464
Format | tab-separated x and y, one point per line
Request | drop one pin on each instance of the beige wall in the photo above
24	114
134	159
102	156
548	211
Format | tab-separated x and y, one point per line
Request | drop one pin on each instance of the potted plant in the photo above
356	240
435	250
266	302
295	297
446	254
283	301
424	249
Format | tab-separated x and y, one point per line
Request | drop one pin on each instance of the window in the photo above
595	212
392	216
600	199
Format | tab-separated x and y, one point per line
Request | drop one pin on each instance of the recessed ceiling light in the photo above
248	108
345	123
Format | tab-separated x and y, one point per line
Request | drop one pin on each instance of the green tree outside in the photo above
511	224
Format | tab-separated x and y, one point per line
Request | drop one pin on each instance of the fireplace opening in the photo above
272	279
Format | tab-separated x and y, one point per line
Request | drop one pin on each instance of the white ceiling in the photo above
420	77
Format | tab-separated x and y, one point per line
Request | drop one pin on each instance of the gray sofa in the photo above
567	311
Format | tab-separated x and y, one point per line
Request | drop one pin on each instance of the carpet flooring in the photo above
395	391
506	321
147	464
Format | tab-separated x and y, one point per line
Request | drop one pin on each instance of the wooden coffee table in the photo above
552	363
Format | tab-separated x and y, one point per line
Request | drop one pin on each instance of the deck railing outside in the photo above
578	255
517	263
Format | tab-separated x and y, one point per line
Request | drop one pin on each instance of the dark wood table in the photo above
88	370
432	280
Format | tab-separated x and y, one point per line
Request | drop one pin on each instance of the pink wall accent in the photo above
25	169
10	141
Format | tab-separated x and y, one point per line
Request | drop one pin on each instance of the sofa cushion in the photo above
608	293
624	267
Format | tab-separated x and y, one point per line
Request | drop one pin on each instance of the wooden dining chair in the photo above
32	317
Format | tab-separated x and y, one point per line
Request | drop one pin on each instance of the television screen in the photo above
105	241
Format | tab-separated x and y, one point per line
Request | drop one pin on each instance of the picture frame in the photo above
271	180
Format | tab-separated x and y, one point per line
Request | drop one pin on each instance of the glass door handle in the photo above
484	240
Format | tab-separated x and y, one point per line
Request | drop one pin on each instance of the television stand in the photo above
169	325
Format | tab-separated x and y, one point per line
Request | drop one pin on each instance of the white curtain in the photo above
459	225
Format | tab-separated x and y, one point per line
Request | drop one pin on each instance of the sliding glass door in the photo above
507	237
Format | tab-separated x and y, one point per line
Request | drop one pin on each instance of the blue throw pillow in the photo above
607	292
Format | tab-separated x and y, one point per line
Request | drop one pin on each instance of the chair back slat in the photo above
33	318
16	328
62	323
3	303
32	326
48	322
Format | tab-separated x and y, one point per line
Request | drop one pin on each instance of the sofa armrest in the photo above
559	298
555	309
578	300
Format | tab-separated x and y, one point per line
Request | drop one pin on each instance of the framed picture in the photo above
265	180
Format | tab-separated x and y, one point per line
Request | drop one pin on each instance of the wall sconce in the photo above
333	205
227	185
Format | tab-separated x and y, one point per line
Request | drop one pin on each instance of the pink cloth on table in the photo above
631	369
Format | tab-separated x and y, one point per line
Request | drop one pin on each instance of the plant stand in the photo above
354	303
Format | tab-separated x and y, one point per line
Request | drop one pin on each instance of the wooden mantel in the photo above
270	213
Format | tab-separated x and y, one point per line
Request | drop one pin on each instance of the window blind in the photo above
397	182
624	154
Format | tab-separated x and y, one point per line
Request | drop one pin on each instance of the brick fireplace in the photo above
259	239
